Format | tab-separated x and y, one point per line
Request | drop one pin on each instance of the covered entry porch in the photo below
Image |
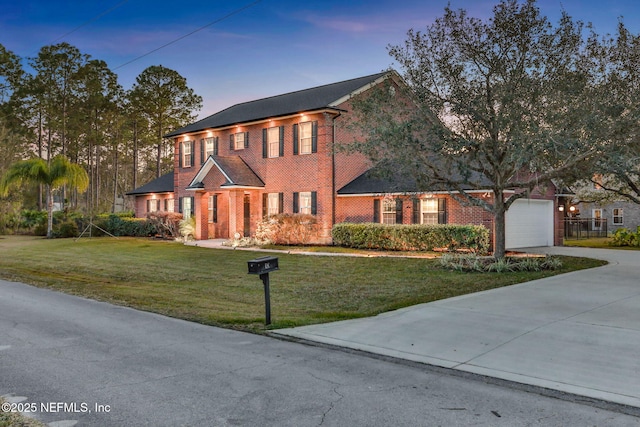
227	200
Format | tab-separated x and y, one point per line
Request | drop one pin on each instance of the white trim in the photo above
204	170
362	89
246	187
417	193
255	122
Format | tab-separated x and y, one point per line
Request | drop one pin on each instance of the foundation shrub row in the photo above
472	238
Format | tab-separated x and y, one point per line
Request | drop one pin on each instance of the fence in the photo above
585	228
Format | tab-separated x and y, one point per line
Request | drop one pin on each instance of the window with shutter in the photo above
429	211
305	137
187	208
210	148
186	154
305	203
273	204
273	142
389	214
239	141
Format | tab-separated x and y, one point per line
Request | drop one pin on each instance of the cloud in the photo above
372	24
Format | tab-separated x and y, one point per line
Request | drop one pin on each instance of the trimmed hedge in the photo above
120	225
416	237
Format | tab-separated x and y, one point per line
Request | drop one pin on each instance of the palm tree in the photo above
60	171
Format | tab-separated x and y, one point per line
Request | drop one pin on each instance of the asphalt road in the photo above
72	361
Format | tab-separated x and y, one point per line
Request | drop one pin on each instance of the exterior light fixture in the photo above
572	208
561	208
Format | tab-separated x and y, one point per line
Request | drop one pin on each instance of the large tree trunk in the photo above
499	241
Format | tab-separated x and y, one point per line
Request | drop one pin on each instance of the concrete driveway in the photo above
578	332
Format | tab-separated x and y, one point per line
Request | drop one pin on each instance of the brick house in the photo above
276	155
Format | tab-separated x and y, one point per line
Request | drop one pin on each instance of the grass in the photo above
599	243
15	419
211	286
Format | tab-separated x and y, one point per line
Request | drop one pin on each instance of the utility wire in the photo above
95	18
235	12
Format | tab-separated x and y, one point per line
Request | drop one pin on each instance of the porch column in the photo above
201	210
234	202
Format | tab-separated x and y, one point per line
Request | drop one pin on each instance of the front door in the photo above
247	215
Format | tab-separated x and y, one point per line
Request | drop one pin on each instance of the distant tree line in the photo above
72	105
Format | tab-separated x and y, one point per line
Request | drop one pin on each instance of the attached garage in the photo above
529	222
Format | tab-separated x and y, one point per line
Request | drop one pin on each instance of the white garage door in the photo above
529	223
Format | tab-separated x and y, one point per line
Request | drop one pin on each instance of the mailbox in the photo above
263	265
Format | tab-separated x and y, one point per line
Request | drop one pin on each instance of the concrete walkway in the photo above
578	332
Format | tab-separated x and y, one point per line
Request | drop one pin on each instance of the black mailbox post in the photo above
263	266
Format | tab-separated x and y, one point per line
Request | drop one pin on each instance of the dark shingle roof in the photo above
290	103
372	182
234	169
238	171
164	184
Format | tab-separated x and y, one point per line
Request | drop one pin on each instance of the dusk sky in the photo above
268	48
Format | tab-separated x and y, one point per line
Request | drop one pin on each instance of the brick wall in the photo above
140	204
287	174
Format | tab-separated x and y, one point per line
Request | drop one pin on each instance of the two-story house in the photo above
277	155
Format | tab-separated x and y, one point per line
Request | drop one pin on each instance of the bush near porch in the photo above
287	229
416	237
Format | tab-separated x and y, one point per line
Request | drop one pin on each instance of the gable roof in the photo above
317	98
235	170
164	184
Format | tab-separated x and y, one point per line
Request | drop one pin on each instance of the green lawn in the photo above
211	286
598	242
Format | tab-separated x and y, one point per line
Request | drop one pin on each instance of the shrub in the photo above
68	228
188	228
125	226
487	264
625	237
474	238
34	221
287	229
166	223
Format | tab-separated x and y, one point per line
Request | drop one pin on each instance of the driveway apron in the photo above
577	332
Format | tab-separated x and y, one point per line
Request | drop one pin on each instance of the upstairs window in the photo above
239	141
186	154
273	142
618	216
305	138
209	148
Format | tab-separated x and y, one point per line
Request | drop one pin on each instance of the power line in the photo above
95	18
235	12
